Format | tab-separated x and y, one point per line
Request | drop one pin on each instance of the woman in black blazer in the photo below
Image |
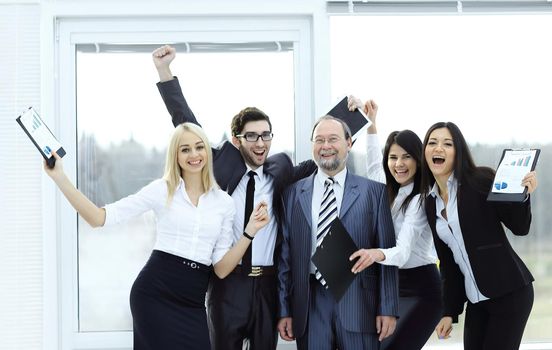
477	262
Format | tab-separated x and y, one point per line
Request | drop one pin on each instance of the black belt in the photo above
256	271
178	259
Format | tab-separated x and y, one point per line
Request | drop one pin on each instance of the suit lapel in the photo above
305	198
350	194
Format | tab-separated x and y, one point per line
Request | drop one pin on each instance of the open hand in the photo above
366	258
354	103
371	110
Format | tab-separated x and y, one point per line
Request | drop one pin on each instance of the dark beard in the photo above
247	158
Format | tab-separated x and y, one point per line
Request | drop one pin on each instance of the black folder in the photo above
357	120
331	258
528	162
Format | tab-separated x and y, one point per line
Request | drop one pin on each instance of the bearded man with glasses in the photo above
242	308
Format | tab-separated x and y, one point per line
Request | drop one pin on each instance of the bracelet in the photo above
246	235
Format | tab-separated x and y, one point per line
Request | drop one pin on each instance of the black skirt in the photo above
167	301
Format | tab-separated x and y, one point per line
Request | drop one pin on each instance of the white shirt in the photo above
317	193
414	245
262	249
448	229
202	234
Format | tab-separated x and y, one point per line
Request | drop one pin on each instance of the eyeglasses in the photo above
331	140
254	137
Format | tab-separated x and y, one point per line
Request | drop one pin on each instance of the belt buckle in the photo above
256	271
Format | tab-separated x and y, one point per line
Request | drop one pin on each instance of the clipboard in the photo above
331	258
41	136
356	120
513	166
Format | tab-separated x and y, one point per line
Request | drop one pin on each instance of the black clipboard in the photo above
510	161
41	136
356	120
331	258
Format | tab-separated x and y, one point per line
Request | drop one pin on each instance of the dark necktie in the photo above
328	213
249	196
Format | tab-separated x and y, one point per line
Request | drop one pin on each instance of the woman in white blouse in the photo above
194	231
420	303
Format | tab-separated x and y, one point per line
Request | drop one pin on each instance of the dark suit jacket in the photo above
497	269
366	215
229	166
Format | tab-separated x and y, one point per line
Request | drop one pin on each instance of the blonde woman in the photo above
194	236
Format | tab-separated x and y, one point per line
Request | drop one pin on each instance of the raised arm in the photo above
374	165
162	58
89	211
169	87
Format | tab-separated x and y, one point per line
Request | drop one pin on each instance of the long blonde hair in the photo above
173	172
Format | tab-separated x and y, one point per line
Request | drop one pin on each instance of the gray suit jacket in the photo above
366	215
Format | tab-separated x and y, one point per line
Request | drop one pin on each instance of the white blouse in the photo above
414	246
202	234
450	233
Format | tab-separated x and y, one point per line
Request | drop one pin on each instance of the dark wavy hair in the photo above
246	115
412	144
465	170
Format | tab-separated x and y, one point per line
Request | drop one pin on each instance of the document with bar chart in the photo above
40	135
513	166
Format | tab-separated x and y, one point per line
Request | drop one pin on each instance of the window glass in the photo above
490	74
122	131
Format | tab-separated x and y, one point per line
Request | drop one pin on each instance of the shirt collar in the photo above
258	171
339	178
451	182
406	190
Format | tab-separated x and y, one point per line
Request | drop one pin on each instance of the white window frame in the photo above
59	96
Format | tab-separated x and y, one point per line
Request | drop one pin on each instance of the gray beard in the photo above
331	165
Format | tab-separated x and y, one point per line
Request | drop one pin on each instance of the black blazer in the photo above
497	269
229	166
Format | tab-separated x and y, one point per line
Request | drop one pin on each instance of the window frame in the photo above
61	250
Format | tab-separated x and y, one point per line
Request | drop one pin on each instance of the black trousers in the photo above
498	323
242	310
167	301
420	308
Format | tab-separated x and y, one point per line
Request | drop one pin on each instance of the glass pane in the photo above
490	74
123	128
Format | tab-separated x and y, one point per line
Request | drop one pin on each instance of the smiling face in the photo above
254	153
401	164
192	155
440	153
330	147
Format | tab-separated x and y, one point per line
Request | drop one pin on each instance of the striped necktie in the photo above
328	213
